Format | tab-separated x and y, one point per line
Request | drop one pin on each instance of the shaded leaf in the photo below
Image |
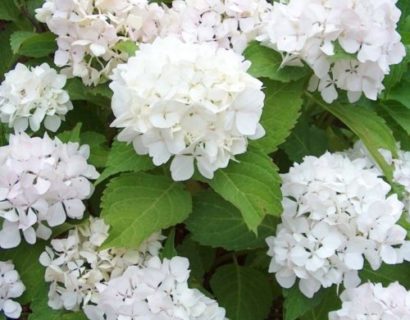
370	128
245	293
217	223
305	140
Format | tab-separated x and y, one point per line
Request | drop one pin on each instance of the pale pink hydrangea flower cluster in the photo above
315	32
75	266
88	32
42	183
188	102
337	214
231	24
30	96
157	291
373	301
11	287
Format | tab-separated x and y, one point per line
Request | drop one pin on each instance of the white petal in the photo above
182	168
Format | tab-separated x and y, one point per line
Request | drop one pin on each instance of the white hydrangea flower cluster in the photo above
231	24
158	291
190	101
29	96
401	164
337	213
373	301
42	182
10	287
88	33
313	31
75	266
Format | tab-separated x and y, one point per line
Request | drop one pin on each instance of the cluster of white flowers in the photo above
27	97
401	165
10	287
75	265
337	213
158	291
89	32
194	101
231	24
42	181
315	31
372	301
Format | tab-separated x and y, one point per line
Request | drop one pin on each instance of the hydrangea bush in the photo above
204	159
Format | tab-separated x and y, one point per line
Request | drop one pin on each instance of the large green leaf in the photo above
296	304
388	274
400	93
330	302
100	95
369	127
305	140
98	148
400	114
217	223
136	205
123	158
266	63
281	111
8	10
7	58
200	258
31	44
25	258
253	185
245	293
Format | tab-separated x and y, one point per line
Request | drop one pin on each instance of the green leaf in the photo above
123	158
297	304
8	10
71	135
200	257
245	293
18	38
217	223
100	95
281	111
387	274
98	148
330	301
7	58
305	140
253	185
369	127
266	63
25	258
136	205
36	45
129	47
396	74
169	250
400	114
401	94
